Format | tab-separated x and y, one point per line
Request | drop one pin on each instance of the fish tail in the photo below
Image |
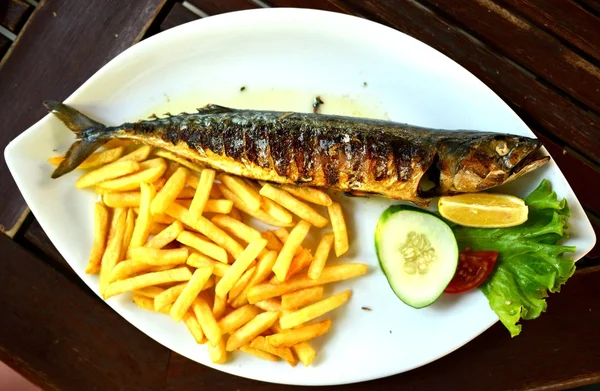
91	136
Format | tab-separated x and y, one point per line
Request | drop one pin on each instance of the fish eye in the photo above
502	148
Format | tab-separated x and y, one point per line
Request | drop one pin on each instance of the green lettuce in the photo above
530	263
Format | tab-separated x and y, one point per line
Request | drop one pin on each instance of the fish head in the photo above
473	161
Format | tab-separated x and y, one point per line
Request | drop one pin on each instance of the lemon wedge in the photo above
484	210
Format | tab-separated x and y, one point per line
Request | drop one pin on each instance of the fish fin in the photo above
214	109
82	126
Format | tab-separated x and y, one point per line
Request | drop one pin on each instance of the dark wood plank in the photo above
564	18
592	5
176	16
36	237
4	45
63	338
215	7
564	337
528	46
14	13
62	45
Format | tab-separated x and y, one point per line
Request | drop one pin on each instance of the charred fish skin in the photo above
354	155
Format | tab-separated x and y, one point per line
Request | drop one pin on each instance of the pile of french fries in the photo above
172	234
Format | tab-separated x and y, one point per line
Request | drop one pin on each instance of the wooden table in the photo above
541	56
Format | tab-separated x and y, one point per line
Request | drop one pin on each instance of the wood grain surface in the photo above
14	13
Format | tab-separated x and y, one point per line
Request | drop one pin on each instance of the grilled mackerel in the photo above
353	155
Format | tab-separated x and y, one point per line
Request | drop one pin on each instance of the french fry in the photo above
263	269
295	206
284	259
129	225
117	142
128	199
273	242
190	292
289	338
217	353
186	193
315	310
163	219
193	181
171	156
276	211
192	324
282	234
203	246
301	260
165	236
168	296
156	168
96	159
236	228
321	255
258	214
330	274
169	192
127	268
240	284
340	233
240	265
251	330
218	206
171	168
259	353
158	257
207	320
151	292
138	155
156	228
205	183
159	183
148	279
141	231
237	318
272	305
309	194
243	190
143	302
305	353
106	173
114	248
101	217
298	299
200	260
235	212
283	352
219	307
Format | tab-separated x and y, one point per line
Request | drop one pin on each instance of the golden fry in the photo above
157	257
192	324
237	318
141	231
236	228
212	206
289	338
321	255
171	168
217	353
156	228
284	259
105	173
276	211
340	233
309	194
155	169
263	269
143	302
200	260
285	353
295	206
148	279
240	188
203	246
298	299
187	192
240	284
159	183
101	217
165	236
235	212
240	265
127	268
114	248
207	320
315	310
190	292
151	291
273	242
271	305
259	353
251	330
205	183
305	353
219	307
138	155
330	274
96	159
129	225
169	192
168	296
171	156
282	234
163	219
128	199
301	260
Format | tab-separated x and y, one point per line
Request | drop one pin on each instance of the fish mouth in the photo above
533	160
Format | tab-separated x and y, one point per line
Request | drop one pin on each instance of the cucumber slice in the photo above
417	252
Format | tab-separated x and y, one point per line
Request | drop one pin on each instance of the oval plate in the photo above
291	55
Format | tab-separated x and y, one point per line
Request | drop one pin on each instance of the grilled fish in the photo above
353	155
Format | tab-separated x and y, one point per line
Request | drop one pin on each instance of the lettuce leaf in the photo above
530	263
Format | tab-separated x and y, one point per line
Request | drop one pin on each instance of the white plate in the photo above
285	57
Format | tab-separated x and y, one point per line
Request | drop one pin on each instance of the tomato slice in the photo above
473	269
